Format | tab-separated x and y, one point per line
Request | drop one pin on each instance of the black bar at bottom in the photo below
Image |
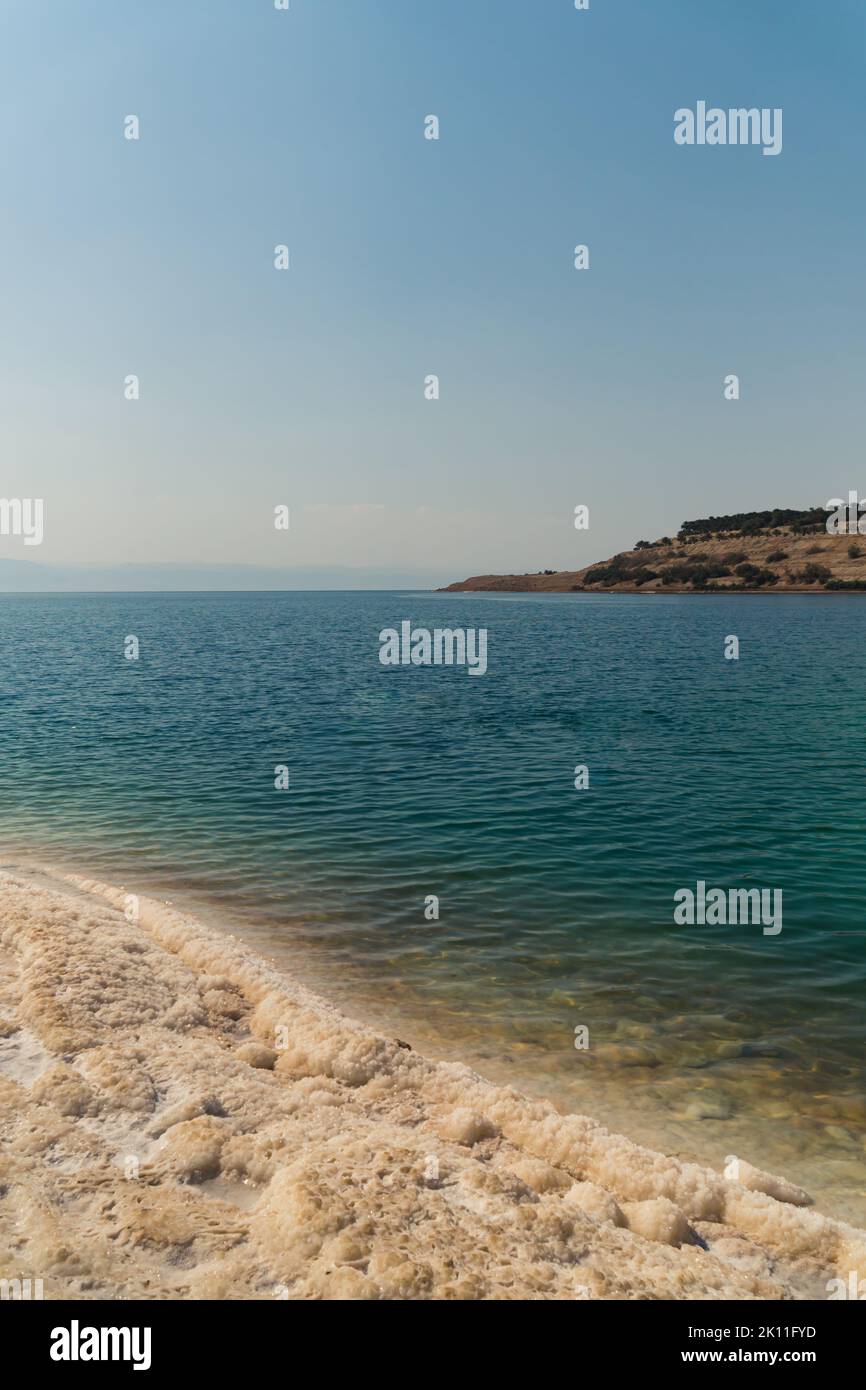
248	1337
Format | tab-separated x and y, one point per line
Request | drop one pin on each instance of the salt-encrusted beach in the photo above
181	1120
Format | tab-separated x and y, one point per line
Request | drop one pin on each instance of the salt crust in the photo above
181	1120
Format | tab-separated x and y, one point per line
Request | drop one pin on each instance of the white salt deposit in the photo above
180	1120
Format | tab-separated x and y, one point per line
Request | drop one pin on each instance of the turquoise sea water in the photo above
556	905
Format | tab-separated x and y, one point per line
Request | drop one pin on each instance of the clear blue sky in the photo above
412	257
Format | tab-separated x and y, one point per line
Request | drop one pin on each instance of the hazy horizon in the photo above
32	576
165	577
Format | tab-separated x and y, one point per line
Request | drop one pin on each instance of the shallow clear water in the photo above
556	905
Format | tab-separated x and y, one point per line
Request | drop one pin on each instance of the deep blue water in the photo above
556	905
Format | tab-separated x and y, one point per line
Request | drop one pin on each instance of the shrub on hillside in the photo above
753	523
812	574
754	577
696	574
614	573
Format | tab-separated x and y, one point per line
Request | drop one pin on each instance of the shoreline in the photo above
669	589
182	1120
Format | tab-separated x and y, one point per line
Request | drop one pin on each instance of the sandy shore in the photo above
180	1120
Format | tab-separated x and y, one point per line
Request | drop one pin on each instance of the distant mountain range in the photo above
781	551
29	576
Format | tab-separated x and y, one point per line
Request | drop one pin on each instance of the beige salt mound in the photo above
179	1120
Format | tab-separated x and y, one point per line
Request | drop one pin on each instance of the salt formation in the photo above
180	1120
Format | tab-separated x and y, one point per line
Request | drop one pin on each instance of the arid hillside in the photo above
764	552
